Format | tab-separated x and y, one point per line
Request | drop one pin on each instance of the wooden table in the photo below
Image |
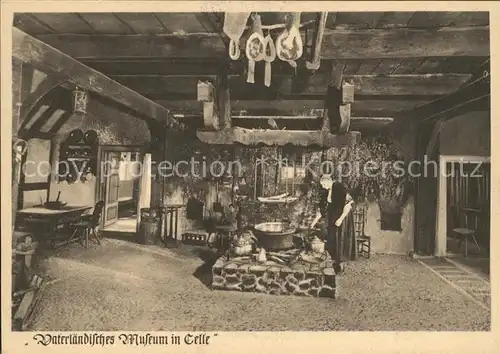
42	221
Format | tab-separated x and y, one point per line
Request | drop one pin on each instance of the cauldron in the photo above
275	235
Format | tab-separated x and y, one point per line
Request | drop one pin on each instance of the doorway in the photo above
119	187
464	196
468	203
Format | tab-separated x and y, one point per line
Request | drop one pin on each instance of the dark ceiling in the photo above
397	60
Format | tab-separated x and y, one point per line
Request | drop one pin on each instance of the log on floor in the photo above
28	303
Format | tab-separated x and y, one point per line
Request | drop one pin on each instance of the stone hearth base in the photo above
300	278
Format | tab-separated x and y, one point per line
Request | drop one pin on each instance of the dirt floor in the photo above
124	286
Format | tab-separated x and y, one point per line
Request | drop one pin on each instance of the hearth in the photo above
306	274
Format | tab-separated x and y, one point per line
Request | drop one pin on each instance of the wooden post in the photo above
206	94
441	208
331	117
216	101
314	63
163	186
434	138
224	101
157	132
145	187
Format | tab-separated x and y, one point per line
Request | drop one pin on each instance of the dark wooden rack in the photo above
80	157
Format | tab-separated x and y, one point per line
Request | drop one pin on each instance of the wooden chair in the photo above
86	226
465	230
363	242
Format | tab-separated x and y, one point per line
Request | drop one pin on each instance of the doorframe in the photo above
100	188
442	212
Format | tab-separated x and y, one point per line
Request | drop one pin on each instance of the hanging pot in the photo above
75	136
90	137
255	47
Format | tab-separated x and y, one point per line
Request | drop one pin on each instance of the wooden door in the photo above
112	184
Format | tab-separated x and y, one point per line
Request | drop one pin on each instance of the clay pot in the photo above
317	245
242	250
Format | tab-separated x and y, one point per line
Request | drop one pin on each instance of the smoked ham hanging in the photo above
234	26
255	47
289	45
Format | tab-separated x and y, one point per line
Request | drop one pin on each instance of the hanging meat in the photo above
289	45
234	26
255	47
270	56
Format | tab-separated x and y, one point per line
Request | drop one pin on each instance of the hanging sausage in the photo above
255	47
270	55
234	25
289	45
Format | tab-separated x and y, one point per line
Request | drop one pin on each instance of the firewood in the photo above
281	254
22	310
241	258
27	304
274	253
24	291
33	306
276	259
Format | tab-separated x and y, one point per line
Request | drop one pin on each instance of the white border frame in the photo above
441	217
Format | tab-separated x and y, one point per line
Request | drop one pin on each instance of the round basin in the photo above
275	235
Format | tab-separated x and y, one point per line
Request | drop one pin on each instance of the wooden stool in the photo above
363	243
464	231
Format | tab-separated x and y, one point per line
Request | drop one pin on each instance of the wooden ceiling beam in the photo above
293	107
473	96
404	42
301	117
211	66
250	137
34	98
304	119
198	45
212	23
337	44
293	122
432	84
43	57
263	96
